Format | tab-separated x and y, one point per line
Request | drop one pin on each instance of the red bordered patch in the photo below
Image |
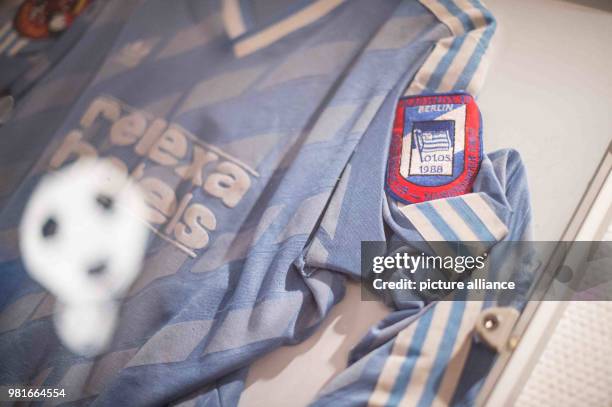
39	19
436	147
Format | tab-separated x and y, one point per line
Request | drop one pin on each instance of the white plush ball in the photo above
82	234
86	329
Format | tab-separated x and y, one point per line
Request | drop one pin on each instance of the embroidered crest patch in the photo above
436	147
38	19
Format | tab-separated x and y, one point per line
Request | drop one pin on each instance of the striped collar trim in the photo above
457	63
251	32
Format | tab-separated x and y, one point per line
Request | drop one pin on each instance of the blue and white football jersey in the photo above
260	132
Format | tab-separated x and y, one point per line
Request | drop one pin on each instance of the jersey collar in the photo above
256	24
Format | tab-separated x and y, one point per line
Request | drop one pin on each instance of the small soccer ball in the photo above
83	237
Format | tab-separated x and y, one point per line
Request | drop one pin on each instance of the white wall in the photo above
549	95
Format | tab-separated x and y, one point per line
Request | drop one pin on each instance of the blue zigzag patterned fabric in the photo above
260	134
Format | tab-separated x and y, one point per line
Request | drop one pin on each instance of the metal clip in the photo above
494	326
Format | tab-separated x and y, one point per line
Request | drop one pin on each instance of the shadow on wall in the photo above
605	5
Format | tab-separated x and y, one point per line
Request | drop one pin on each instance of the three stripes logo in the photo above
10	41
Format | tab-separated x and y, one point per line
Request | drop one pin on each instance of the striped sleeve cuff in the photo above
467	218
